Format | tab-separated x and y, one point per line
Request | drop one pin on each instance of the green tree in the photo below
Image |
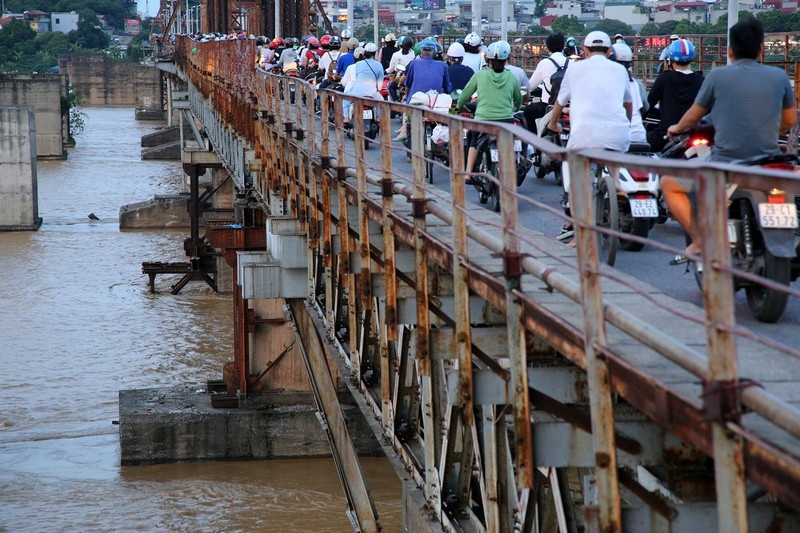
568	25
775	21
612	27
667	28
89	35
651	28
541	9
537	31
15	32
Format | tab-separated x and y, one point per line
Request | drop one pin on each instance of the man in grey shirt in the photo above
749	104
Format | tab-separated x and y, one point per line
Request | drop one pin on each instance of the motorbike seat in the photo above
472	105
639	148
769	159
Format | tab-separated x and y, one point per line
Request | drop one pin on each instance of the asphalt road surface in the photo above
649	265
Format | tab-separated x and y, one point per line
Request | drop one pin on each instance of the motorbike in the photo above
638	195
762	230
543	163
486	165
371	126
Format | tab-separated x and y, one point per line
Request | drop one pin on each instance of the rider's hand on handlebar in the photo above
673	132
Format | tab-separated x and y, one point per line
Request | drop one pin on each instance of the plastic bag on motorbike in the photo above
440	134
432	100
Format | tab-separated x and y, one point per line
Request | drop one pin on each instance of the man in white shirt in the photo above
598	92
541	78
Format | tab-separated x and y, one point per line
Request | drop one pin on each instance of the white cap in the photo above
673	37
371	47
358	53
597	38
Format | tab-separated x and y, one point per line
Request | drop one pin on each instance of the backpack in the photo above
556	79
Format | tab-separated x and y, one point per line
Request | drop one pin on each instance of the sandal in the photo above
679	259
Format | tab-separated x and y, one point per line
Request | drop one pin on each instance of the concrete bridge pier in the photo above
19	201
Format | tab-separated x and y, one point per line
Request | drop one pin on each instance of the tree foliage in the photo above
568	25
613	26
23	50
537	31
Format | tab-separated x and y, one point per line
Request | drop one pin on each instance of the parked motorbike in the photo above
762	230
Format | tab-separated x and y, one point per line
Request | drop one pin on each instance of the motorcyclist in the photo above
664	57
404	56
425	74
459	73
472	52
387	50
363	78
310	59
624	55
673	91
598	92
499	95
330	46
288	58
345	60
749	104
571	49
541	78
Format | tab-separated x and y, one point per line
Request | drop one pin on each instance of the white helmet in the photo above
623	52
390	37
371	47
473	39
346	34
455	50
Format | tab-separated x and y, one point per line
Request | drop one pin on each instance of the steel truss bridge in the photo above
517	384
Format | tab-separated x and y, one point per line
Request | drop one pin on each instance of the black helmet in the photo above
405	41
336	41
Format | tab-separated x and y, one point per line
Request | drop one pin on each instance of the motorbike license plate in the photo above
517	145
495	155
565	136
782	216
367	114
644	208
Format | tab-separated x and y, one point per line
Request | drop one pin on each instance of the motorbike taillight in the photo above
776	196
780	166
638	175
696	141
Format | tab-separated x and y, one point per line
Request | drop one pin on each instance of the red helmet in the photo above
273	45
313	42
325	40
278	41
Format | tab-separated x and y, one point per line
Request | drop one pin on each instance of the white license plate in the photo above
644	208
367	114
777	215
565	136
495	155
429	143
517	145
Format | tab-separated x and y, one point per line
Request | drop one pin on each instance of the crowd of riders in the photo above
592	77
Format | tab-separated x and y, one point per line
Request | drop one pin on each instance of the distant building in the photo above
39	21
133	26
629	12
64	22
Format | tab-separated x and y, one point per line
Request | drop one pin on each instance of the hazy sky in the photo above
148	7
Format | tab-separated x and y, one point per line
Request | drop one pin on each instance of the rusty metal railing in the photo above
305	167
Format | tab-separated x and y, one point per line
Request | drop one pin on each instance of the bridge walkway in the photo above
450	319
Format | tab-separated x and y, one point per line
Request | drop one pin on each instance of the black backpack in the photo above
556	78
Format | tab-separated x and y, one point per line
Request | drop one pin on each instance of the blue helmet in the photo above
681	51
498	50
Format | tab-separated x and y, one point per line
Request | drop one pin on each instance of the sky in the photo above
148	7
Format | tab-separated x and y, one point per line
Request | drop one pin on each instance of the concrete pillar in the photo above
19	202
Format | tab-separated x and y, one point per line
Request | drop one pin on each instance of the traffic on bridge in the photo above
527	367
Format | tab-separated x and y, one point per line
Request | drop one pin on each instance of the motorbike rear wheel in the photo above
606	216
640	227
768	304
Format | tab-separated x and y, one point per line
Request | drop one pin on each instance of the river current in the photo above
78	324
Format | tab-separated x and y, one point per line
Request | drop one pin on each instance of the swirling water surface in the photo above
77	325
